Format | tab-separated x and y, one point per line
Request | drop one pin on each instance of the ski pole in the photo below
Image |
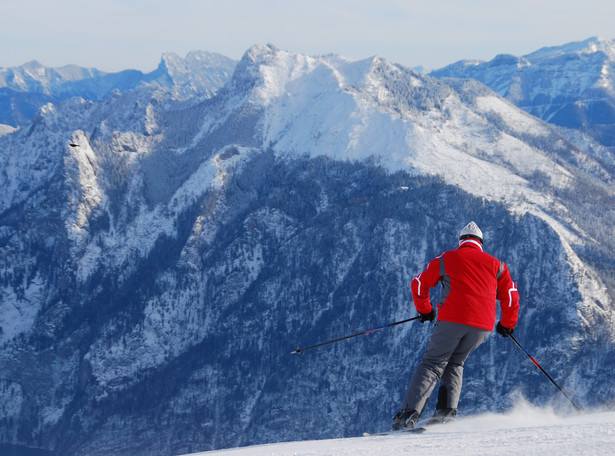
544	372
298	351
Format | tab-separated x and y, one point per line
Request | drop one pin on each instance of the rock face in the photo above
161	258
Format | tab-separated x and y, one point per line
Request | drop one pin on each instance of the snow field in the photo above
526	430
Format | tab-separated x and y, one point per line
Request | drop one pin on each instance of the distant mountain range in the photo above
572	85
24	89
166	245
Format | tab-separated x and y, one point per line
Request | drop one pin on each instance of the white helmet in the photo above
471	230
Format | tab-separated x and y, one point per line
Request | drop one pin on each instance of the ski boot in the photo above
442	416
405	419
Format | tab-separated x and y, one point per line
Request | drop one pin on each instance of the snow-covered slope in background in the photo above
470	137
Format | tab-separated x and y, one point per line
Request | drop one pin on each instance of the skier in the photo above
472	281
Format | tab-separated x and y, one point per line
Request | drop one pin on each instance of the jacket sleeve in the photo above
509	299
421	285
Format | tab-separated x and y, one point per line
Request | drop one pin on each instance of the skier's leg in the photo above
444	340
442	403
452	377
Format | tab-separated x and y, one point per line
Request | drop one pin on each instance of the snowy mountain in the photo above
24	89
161	257
571	85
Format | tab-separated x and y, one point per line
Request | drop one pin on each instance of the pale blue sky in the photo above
112	35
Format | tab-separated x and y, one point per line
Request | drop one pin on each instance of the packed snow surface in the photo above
526	430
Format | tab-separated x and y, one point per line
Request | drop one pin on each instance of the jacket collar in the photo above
471	243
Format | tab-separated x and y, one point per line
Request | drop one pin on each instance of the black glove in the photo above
503	330
428	316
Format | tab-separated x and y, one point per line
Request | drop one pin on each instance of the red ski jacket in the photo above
472	281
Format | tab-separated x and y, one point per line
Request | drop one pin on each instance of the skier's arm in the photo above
509	299
421	285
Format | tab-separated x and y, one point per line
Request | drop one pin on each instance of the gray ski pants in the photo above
450	345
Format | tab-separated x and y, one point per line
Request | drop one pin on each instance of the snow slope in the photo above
524	431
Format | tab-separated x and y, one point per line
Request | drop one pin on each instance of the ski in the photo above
417	430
